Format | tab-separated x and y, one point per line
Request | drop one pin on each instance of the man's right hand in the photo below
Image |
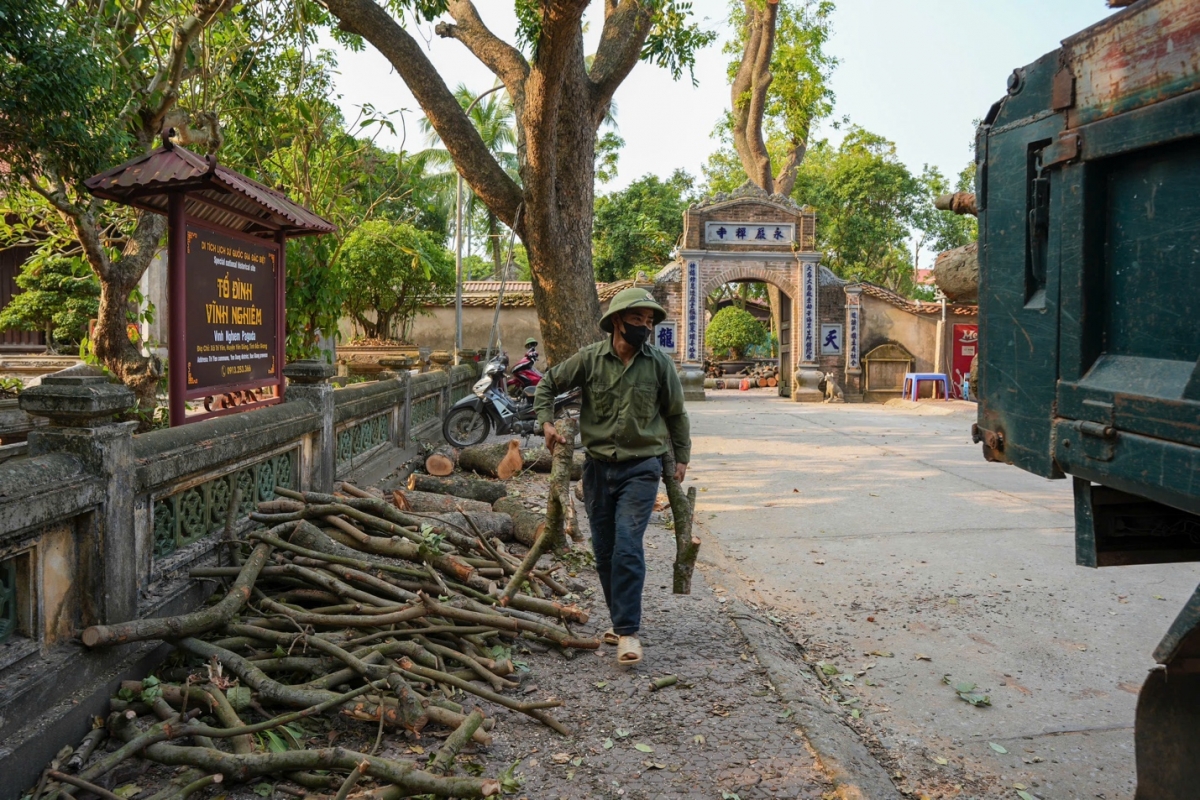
552	435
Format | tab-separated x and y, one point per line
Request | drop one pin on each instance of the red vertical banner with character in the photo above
964	349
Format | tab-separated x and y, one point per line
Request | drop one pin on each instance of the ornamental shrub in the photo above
733	329
389	271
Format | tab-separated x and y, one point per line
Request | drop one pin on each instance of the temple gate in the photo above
749	235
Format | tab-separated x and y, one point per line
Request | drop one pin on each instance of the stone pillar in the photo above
692	371
854	383
308	381
808	369
80	403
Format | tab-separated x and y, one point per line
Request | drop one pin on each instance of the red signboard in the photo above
963	351
225	318
230	321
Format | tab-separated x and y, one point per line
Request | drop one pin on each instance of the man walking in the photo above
632	410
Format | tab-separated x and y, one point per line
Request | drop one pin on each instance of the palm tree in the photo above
493	118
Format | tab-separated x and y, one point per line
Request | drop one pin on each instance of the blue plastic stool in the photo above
912	381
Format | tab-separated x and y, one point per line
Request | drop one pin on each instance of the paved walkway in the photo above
894	553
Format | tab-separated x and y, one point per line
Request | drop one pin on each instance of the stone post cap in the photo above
308	371
78	397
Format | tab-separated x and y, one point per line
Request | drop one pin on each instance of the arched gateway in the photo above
750	235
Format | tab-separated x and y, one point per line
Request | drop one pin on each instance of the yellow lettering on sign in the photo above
216	314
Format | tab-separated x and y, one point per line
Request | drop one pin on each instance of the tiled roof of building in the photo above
517	294
915	306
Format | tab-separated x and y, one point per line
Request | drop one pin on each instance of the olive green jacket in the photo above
628	411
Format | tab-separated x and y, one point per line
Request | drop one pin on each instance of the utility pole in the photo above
458	246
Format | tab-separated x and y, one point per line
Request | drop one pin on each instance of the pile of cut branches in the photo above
340	604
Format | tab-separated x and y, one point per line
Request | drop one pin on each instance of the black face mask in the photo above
635	335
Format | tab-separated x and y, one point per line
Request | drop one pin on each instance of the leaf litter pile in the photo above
343	616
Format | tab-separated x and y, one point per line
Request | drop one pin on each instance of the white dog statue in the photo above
833	392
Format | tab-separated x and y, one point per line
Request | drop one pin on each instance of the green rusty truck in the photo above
1088	198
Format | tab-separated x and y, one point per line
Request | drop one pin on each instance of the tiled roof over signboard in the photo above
215	193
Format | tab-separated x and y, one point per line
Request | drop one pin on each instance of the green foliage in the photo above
733	330
286	129
57	107
388	270
608	153
11	387
864	198
943	230
673	40
637	227
60	295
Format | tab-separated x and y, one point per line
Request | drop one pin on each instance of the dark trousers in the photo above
620	498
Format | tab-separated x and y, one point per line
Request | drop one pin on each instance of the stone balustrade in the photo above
99	524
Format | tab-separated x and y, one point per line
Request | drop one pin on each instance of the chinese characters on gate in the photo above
759	234
695	305
664	336
809	313
852	333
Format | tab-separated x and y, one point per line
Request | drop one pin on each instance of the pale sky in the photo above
916	71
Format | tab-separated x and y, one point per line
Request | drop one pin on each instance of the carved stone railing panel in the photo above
361	438
191	514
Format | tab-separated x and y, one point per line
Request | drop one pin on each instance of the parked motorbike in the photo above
489	407
524	374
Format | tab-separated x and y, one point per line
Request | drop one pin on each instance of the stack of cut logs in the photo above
760	377
399	612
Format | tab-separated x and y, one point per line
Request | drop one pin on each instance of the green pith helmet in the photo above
627	299
530	342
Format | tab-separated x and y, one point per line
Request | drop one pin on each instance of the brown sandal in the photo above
629	651
608	637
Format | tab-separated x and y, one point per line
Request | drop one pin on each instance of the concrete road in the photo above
872	531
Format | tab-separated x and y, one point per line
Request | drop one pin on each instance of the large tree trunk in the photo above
118	279
749	93
559	103
558	219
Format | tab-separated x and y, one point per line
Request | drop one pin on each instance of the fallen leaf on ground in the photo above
643	748
621	734
882	654
1026	796
997	747
608	744
561	758
940	760
648	764
819	561
922	657
698	739
128	790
